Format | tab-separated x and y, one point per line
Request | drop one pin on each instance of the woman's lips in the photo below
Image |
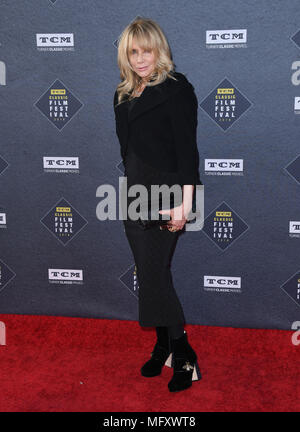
145	67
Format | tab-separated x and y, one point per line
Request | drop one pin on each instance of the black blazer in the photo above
162	128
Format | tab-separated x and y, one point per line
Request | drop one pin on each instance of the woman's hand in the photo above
178	218
180	213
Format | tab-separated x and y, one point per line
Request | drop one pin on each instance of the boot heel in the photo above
196	372
169	361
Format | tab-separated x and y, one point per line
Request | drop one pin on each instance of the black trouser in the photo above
152	250
176	331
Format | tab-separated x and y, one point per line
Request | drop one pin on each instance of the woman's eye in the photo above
145	51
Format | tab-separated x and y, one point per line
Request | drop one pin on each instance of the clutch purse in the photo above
149	219
146	223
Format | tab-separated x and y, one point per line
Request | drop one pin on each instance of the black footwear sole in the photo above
150	376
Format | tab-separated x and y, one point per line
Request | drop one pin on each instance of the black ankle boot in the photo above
185	364
159	355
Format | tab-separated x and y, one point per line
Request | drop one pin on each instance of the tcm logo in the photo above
63	162
228	165
2	220
65	275
294	228
221	37
55	40
222	283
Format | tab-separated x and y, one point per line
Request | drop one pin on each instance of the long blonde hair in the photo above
148	35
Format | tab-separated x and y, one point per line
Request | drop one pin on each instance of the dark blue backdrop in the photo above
58	74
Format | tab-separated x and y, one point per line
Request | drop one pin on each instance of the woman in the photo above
156	120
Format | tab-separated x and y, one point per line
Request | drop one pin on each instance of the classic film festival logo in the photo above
58	104
3	165
130	280
223	226
292	287
225	104
296	38
64	221
6	274
293	169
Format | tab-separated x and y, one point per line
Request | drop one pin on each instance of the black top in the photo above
139	172
131	103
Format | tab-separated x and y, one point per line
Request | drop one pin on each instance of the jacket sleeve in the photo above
184	121
116	119
115	98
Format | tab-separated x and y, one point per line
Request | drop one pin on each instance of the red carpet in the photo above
59	364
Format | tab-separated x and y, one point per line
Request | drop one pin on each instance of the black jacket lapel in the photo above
150	98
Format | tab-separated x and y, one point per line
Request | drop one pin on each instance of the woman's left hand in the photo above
178	218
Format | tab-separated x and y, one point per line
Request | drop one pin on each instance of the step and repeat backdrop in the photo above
58	145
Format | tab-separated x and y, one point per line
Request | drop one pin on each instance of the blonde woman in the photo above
156	121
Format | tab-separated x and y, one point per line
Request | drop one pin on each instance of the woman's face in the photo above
142	61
